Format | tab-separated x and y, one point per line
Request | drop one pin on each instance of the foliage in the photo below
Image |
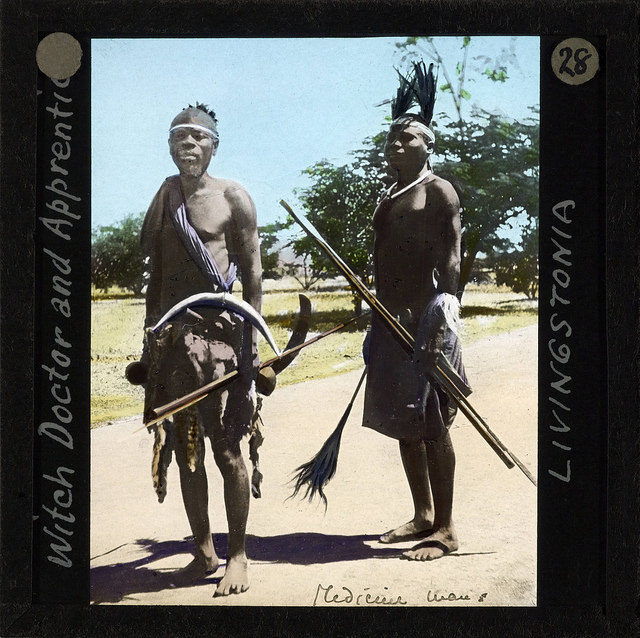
340	203
494	69
495	171
269	252
116	256
518	269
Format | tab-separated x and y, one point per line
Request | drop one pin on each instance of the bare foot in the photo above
235	579
197	568
441	542
409	531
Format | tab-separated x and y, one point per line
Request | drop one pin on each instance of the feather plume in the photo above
404	96
424	87
317	472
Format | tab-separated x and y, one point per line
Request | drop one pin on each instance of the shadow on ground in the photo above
120	581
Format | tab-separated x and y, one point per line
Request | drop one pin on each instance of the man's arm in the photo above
247	246
431	327
449	266
150	237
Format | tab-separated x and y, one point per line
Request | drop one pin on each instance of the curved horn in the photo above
298	335
226	301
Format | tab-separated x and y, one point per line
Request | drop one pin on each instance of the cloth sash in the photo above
193	244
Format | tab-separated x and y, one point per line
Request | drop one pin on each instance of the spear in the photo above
443	372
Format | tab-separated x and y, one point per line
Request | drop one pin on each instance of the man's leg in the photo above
229	459
414	461
443	540
193	485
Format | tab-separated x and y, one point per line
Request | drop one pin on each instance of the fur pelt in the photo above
163	445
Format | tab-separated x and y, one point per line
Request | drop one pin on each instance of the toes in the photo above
421	555
225	589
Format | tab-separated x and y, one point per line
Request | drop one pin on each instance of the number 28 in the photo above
579	58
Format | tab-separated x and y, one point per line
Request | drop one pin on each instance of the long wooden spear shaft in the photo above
166	410
446	375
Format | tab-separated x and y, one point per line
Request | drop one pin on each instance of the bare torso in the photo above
209	211
414	235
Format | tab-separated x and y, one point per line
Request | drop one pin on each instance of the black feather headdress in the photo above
424	88
404	96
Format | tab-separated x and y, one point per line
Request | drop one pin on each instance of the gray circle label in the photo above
58	55
575	61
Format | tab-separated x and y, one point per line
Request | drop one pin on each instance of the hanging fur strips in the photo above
163	447
317	472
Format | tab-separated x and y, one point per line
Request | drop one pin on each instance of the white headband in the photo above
209	131
405	120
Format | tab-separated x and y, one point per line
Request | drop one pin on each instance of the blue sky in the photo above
282	105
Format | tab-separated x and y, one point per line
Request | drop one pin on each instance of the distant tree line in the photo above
116	256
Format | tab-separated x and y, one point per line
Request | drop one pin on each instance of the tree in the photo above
518	269
492	162
304	272
483	66
340	204
269	254
495	171
116	256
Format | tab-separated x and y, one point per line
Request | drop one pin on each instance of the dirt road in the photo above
297	550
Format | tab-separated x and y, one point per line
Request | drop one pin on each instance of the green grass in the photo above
116	338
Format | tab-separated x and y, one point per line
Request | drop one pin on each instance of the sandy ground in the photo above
296	549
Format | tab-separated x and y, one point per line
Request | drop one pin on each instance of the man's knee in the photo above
411	445
228	458
442	444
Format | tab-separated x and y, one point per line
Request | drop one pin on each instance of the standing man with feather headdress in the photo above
197	232
417	266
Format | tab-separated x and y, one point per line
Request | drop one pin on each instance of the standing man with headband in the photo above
416	257
198	233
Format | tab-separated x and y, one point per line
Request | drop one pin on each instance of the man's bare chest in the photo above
209	215
409	217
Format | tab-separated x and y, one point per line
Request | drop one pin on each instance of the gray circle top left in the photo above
58	55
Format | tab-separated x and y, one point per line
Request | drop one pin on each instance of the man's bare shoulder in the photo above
237	197
442	189
234	192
